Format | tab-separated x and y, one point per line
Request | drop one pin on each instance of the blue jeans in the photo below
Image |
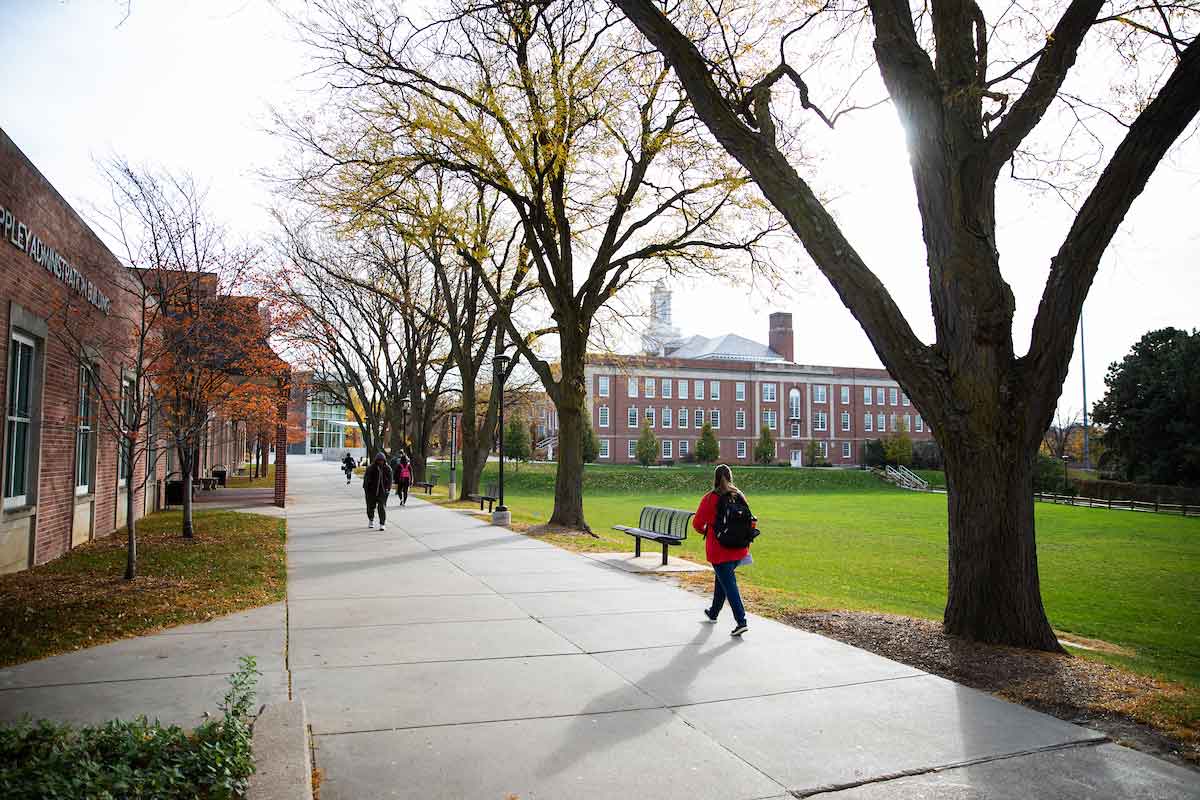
725	585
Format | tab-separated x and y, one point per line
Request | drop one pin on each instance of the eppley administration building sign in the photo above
24	239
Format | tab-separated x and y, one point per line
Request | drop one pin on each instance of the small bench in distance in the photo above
490	494
427	485
667	526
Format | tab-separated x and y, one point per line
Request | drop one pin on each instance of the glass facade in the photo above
326	424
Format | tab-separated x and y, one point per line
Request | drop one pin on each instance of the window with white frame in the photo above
880	423
879	395
123	446
633	417
795	430
739	391
904	400
668	387
20	410
650	387
85	410
633	382
845	420
819	394
699	390
920	424
845	449
866	395
893	396
739	419
632	449
668	449
741	449
714	416
768	392
821	421
892	422
770	419
683	389
603	448
714	390
683	417
683	447
845	394
602	386
868	423
823	447
794	404
698	418
666	417
650	417
907	423
602	415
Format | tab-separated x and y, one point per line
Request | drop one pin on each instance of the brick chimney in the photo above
781	339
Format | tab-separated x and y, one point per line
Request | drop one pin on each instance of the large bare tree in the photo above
968	106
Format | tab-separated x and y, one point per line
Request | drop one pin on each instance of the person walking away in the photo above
377	485
724	515
403	479
348	466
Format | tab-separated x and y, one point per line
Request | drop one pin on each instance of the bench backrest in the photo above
671	522
491	490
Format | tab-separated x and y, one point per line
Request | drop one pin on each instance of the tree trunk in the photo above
130	527
993	592
185	466
568	483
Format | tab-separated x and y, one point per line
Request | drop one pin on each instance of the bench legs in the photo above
664	554
637	546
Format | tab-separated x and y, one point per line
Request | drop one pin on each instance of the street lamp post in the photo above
453	436
501	515
1066	474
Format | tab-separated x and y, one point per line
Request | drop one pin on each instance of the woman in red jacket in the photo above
724	560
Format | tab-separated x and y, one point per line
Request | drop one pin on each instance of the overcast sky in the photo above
187	85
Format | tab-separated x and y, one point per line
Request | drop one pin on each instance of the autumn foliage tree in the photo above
971	85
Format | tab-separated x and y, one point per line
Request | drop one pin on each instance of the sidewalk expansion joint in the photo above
498	720
115	680
441	661
970	762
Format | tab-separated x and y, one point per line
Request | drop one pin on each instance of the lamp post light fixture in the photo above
453	435
501	515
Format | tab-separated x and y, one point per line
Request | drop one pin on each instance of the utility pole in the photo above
1087	431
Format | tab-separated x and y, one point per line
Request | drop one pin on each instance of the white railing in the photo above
906	478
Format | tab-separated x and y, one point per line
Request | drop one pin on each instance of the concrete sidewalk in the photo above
445	658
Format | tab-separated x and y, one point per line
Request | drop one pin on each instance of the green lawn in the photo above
266	481
843	539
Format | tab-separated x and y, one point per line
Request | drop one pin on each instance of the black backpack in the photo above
733	525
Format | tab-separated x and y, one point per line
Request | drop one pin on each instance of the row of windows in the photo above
18	450
882	422
651	388
770	419
668	448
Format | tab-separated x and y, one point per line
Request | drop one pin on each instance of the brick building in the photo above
59	456
738	385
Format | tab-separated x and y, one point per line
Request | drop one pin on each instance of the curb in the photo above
282	760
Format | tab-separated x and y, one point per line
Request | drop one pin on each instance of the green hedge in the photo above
612	479
133	760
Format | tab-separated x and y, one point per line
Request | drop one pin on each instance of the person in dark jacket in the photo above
377	485
348	466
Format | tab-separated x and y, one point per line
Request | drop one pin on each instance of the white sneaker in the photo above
371	525
381	528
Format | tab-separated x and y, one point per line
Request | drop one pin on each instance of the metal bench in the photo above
427	485
490	494
667	526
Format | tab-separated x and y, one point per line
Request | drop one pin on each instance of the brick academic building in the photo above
738	386
60	464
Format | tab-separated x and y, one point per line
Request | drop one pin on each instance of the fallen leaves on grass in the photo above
236	561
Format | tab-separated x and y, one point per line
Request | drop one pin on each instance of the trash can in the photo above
220	473
175	492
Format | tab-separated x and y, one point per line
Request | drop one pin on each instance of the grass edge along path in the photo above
235	562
